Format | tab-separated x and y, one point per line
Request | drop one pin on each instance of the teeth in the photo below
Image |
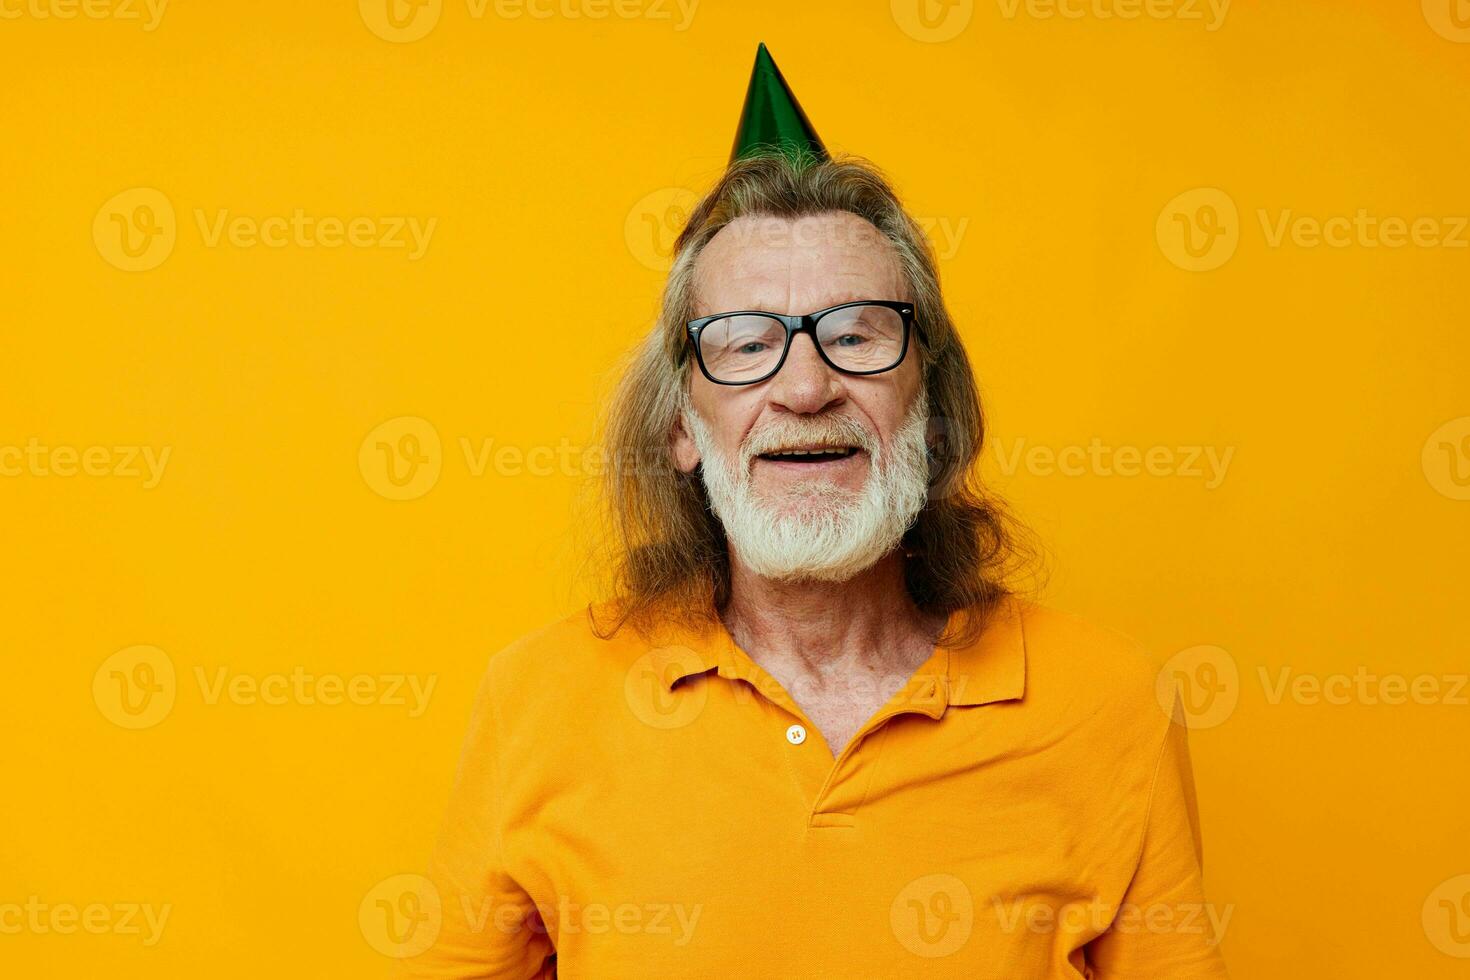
837	450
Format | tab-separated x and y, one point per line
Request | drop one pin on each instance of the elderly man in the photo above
811	733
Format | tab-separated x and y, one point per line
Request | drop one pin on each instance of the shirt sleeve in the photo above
489	927
1165	928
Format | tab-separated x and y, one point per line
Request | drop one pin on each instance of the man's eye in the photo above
849	340
751	347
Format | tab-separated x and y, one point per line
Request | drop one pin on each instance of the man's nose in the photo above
806	384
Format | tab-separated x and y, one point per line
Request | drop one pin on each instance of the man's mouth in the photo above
810	454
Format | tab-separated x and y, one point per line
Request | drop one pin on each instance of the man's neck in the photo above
868	624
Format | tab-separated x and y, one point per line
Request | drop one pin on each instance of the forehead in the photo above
796	265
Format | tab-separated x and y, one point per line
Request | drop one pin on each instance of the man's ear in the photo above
681	443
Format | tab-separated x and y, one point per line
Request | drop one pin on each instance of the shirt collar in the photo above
990	668
993	666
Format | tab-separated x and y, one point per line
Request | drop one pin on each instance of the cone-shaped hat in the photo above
772	120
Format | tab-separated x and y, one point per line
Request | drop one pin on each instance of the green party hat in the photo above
772	120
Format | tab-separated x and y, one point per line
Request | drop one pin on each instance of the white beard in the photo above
818	532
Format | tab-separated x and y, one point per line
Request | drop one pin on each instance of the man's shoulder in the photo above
1079	659
1052	630
554	654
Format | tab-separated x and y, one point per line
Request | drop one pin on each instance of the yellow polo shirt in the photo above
1022	808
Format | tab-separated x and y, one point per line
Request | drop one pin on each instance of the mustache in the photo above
833	430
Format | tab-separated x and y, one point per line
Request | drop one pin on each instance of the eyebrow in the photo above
827	304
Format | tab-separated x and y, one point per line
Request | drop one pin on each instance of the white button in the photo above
796	734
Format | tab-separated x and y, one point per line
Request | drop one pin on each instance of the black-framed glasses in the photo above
749	346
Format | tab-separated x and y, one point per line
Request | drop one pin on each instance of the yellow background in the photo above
550	151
